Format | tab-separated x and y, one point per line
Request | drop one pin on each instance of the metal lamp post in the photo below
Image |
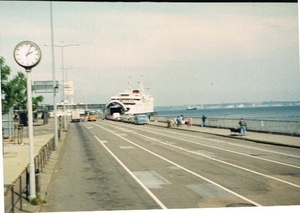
69	68
63	80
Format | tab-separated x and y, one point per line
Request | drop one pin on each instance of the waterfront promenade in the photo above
268	138
16	156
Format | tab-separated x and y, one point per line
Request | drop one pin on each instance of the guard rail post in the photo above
59	127
21	196
12	200
37	181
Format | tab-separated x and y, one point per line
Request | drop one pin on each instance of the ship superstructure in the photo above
131	102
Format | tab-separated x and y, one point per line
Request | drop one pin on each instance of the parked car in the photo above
141	119
131	119
127	118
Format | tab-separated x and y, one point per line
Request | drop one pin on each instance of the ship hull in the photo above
192	108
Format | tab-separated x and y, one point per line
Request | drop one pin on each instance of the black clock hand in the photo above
29	51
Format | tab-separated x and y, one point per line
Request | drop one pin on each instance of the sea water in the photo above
278	113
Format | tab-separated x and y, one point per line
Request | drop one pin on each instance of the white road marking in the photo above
239	153
233	144
173	163
224	162
203	152
126	147
132	175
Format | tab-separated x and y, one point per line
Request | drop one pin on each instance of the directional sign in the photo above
69	88
44	86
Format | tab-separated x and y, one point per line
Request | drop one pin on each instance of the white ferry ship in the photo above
191	108
130	102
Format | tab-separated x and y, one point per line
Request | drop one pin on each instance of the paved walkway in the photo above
16	158
282	140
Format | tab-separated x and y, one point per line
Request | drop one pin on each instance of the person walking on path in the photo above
243	126
203	120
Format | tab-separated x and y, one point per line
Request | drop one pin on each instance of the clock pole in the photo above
30	131
27	54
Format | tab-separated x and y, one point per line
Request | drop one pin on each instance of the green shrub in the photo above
37	200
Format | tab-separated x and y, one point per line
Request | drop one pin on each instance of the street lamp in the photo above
69	68
70	99
63	74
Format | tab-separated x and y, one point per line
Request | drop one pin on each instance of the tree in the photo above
7	103
14	91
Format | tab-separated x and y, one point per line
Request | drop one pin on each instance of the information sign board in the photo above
44	86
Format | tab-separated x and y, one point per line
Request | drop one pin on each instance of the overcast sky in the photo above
187	53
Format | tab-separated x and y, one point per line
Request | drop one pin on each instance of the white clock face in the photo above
27	54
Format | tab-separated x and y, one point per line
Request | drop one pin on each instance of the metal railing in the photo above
19	189
269	126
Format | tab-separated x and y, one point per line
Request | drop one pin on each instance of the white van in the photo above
141	119
116	116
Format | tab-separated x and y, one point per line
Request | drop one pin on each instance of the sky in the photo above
185	53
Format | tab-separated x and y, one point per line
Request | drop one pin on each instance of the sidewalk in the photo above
16	158
282	140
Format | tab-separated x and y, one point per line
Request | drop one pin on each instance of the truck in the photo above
75	116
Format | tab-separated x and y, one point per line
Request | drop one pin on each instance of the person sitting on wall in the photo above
190	121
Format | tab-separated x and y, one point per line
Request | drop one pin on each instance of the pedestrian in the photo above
203	120
243	127
178	121
170	123
190	121
175	121
182	122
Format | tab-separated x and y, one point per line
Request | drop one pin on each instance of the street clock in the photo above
27	54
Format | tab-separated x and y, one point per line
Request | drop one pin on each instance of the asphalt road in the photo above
107	165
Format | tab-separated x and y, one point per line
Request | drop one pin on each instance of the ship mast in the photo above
141	87
129	85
